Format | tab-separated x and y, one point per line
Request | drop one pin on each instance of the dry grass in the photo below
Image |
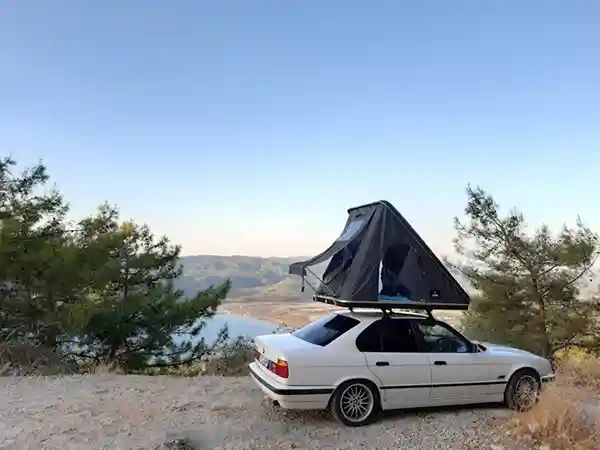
564	418
559	422
582	369
103	368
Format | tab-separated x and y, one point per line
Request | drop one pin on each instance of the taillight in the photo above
281	369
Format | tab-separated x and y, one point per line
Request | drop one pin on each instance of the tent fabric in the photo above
379	257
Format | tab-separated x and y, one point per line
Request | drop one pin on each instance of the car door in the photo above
392	354
458	372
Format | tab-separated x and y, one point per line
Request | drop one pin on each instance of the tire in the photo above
364	395
523	390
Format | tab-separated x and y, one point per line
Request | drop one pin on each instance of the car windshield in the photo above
326	330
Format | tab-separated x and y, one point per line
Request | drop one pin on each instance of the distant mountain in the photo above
252	278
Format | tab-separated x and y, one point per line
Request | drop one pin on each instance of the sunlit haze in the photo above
250	127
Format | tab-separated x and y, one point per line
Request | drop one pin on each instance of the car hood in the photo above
504	350
515	355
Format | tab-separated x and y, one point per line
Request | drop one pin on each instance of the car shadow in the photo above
400	413
316	417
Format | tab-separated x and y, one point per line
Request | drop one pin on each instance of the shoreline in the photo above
288	314
298	314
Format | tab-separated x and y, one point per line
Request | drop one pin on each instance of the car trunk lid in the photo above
273	351
274	346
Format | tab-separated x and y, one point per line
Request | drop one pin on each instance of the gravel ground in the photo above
136	412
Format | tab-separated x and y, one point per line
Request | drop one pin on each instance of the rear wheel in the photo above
355	403
523	390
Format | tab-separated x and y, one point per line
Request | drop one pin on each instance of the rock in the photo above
177	444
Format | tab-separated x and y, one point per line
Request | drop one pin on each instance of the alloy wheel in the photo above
356	402
526	393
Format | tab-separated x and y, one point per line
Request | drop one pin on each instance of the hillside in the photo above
253	278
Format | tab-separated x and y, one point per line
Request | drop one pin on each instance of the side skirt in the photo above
443	385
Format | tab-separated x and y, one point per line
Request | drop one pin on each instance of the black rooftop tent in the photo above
380	261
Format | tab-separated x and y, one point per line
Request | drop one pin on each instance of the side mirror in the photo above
475	348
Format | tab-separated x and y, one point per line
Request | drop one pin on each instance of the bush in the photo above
29	357
582	368
228	359
233	361
559	421
564	417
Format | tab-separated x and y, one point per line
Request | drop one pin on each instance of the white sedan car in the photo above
359	363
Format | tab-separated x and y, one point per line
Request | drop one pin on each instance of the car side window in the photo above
398	336
369	341
388	336
440	339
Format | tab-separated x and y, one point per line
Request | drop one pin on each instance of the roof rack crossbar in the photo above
428	307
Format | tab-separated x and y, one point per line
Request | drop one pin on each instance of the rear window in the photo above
326	330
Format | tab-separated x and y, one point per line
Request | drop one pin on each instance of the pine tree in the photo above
140	319
529	283
39	284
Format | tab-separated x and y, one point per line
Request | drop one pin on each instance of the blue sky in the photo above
249	127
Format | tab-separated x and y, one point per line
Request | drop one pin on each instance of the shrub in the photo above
581	368
564	417
559	421
30	357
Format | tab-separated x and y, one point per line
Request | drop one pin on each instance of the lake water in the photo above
238	326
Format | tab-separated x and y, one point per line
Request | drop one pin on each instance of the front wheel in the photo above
522	391
355	403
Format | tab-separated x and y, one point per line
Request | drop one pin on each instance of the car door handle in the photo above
382	363
439	363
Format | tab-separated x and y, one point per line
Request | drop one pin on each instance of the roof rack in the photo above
388	306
